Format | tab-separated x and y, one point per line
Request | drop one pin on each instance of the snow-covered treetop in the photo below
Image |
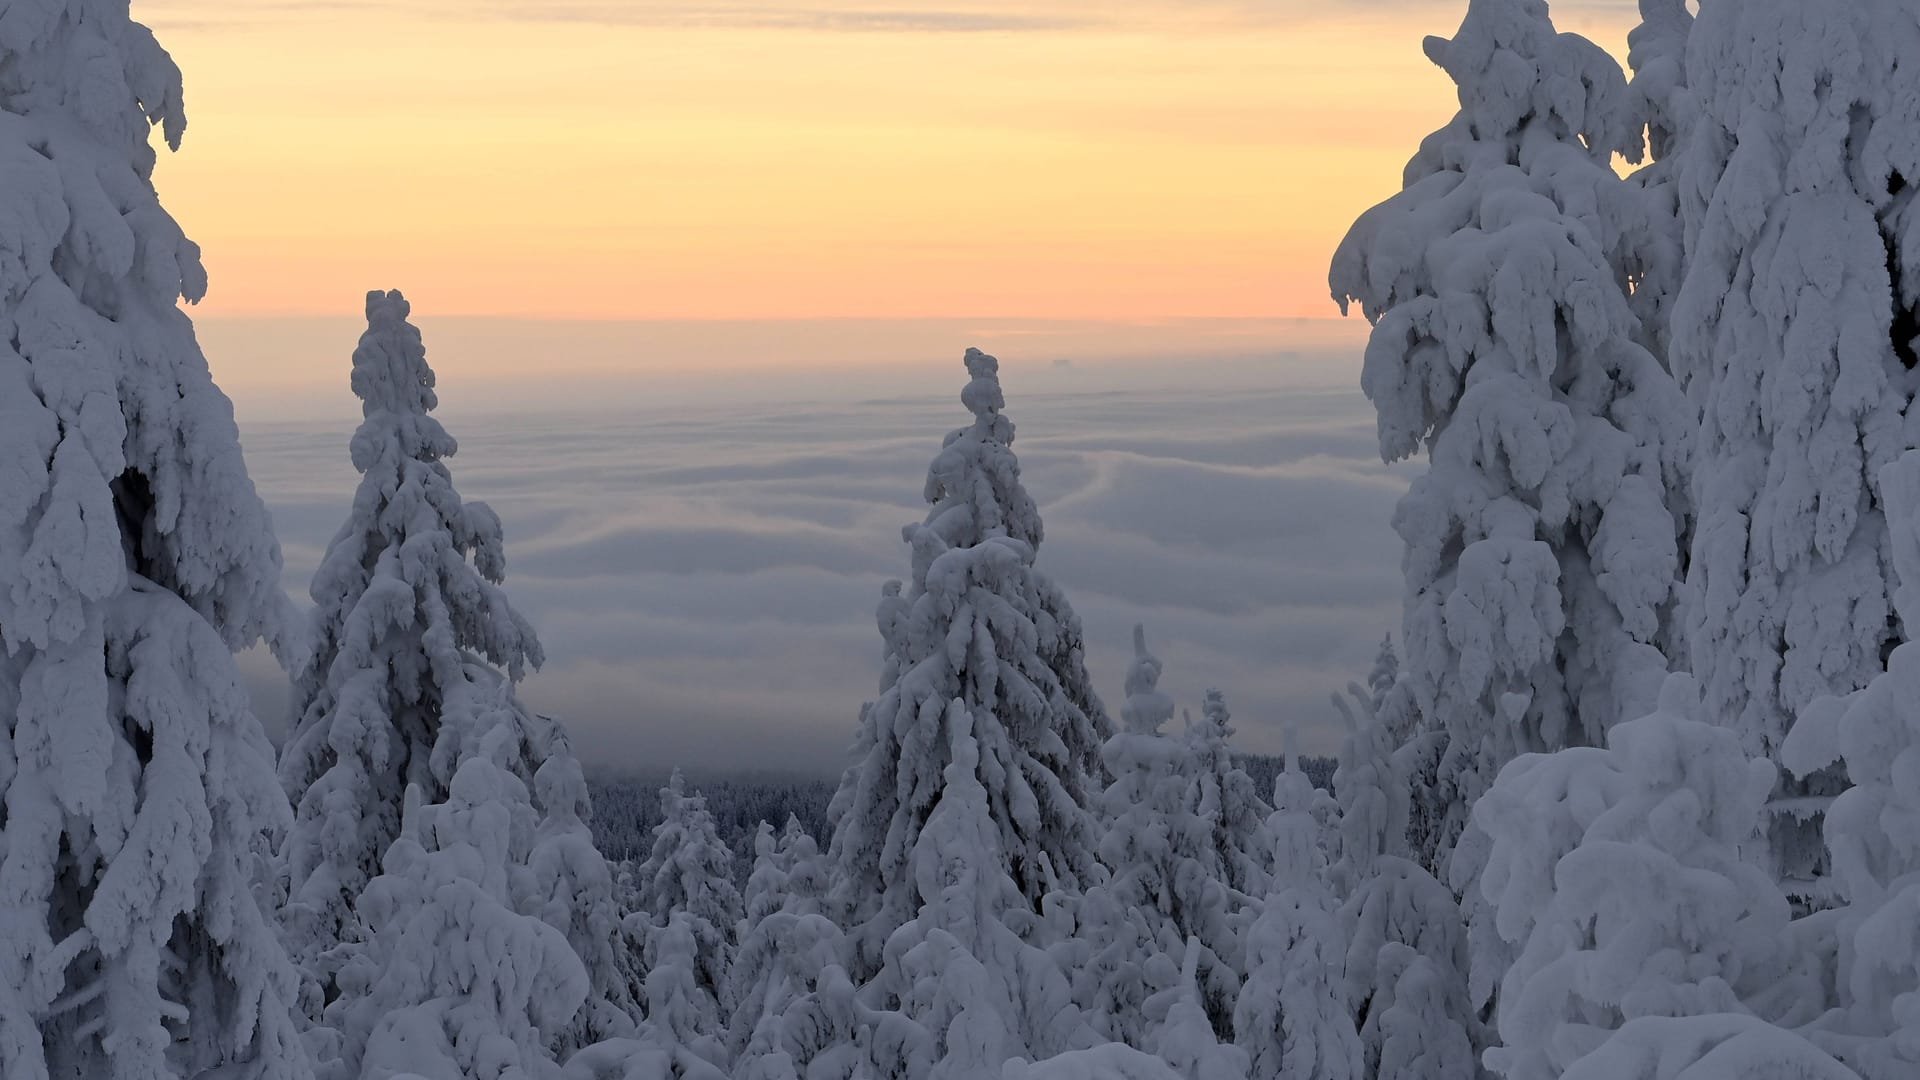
1297	859
974	482
87	60
390	372
1657	52
1516	74
1146	707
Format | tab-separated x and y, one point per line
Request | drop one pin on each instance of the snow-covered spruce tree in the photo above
1386	668
786	946
1291	1017
1406	940
990	629
1657	53
1708	1048
1187	1039
1794	335
452	981
1224	797
568	884
692	910
401	616
1373	801
1542	541
1582	839
1873	828
961	969
1168	878
135	783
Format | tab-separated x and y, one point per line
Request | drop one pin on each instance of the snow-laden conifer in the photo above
136	783
1657	98
1794	334
1187	1039
451	979
1169	879
1873	828
692	909
1724	1046
980	625
1386	668
1291	1018
569	885
787	946
407	606
1542	540
961	969
1617	881
1406	942
1224	798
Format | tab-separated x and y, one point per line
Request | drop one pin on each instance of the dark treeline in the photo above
627	808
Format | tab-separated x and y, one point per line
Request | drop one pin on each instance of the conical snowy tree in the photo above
980	625
1406	940
407	608
1542	541
961	969
1169	877
1291	1018
1617	879
1386	668
1224	797
1794	333
135	784
786	946
1187	1039
687	894
452	982
569	885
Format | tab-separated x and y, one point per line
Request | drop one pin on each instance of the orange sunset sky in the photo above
768	159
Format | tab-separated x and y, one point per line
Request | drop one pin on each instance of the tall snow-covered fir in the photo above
408	709
1794	333
407	609
982	629
1542	539
136	786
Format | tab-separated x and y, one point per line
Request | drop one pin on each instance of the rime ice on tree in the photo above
137	784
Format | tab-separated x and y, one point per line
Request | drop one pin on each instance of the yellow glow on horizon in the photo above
547	168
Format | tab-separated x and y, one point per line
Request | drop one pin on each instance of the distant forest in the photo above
626	808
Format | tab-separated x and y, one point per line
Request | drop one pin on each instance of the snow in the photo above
1641	803
984	628
1543	537
1794	202
134	556
406	601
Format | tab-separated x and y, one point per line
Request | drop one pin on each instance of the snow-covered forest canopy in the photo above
1633	792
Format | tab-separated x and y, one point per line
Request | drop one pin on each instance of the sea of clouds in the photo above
703	567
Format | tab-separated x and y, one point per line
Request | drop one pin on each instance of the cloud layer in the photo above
704	577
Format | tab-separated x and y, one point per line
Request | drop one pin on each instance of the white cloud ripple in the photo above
704	579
